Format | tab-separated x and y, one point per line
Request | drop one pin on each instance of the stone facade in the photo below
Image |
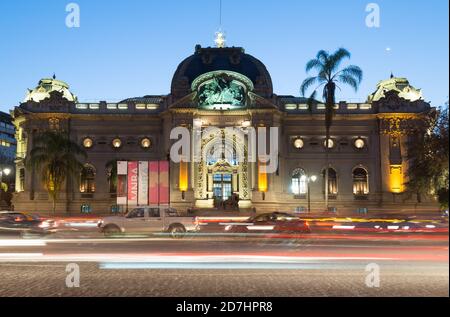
225	87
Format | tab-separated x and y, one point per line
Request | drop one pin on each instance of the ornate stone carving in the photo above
235	58
55	103
245	191
400	125
53	124
392	101
207	58
222	165
221	90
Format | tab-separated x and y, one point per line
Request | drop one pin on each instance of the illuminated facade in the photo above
225	87
7	140
7	156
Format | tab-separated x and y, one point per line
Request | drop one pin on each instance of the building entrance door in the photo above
222	186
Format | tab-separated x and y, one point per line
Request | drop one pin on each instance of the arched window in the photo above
298	182
332	181
360	181
87	181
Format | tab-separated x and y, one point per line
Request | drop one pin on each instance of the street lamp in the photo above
308	180
5	171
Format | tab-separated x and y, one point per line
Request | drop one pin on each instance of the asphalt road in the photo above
318	265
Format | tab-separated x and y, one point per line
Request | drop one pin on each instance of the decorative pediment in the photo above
222	90
393	102
222	166
55	103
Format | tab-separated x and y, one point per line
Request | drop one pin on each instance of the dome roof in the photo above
234	59
46	86
399	85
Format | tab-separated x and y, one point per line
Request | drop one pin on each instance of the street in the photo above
314	265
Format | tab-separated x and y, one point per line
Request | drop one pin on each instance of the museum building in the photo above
226	87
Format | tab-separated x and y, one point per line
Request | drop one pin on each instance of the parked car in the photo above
12	222
149	219
276	222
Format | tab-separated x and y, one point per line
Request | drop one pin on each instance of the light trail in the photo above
81	225
5	257
22	243
231	262
254	237
211	256
344	227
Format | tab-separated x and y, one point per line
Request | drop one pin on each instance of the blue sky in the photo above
132	48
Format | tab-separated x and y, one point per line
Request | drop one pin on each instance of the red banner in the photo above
133	183
153	188
164	182
143	183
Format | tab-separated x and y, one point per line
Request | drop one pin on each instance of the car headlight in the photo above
44	224
228	228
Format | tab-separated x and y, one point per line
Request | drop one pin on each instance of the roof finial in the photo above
220	39
392	75
54	76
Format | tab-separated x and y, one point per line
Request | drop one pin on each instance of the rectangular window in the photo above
152	107
226	191
86	209
360	187
299	186
303	106
292	106
140	106
154	212
296	186
21	180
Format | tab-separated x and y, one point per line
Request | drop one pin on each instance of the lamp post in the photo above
308	180
5	171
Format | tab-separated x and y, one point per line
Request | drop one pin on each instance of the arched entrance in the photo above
222	175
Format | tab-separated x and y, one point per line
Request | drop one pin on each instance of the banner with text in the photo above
141	183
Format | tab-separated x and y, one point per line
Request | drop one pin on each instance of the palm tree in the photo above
56	157
329	76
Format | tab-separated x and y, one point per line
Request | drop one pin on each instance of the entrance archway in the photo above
221	176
